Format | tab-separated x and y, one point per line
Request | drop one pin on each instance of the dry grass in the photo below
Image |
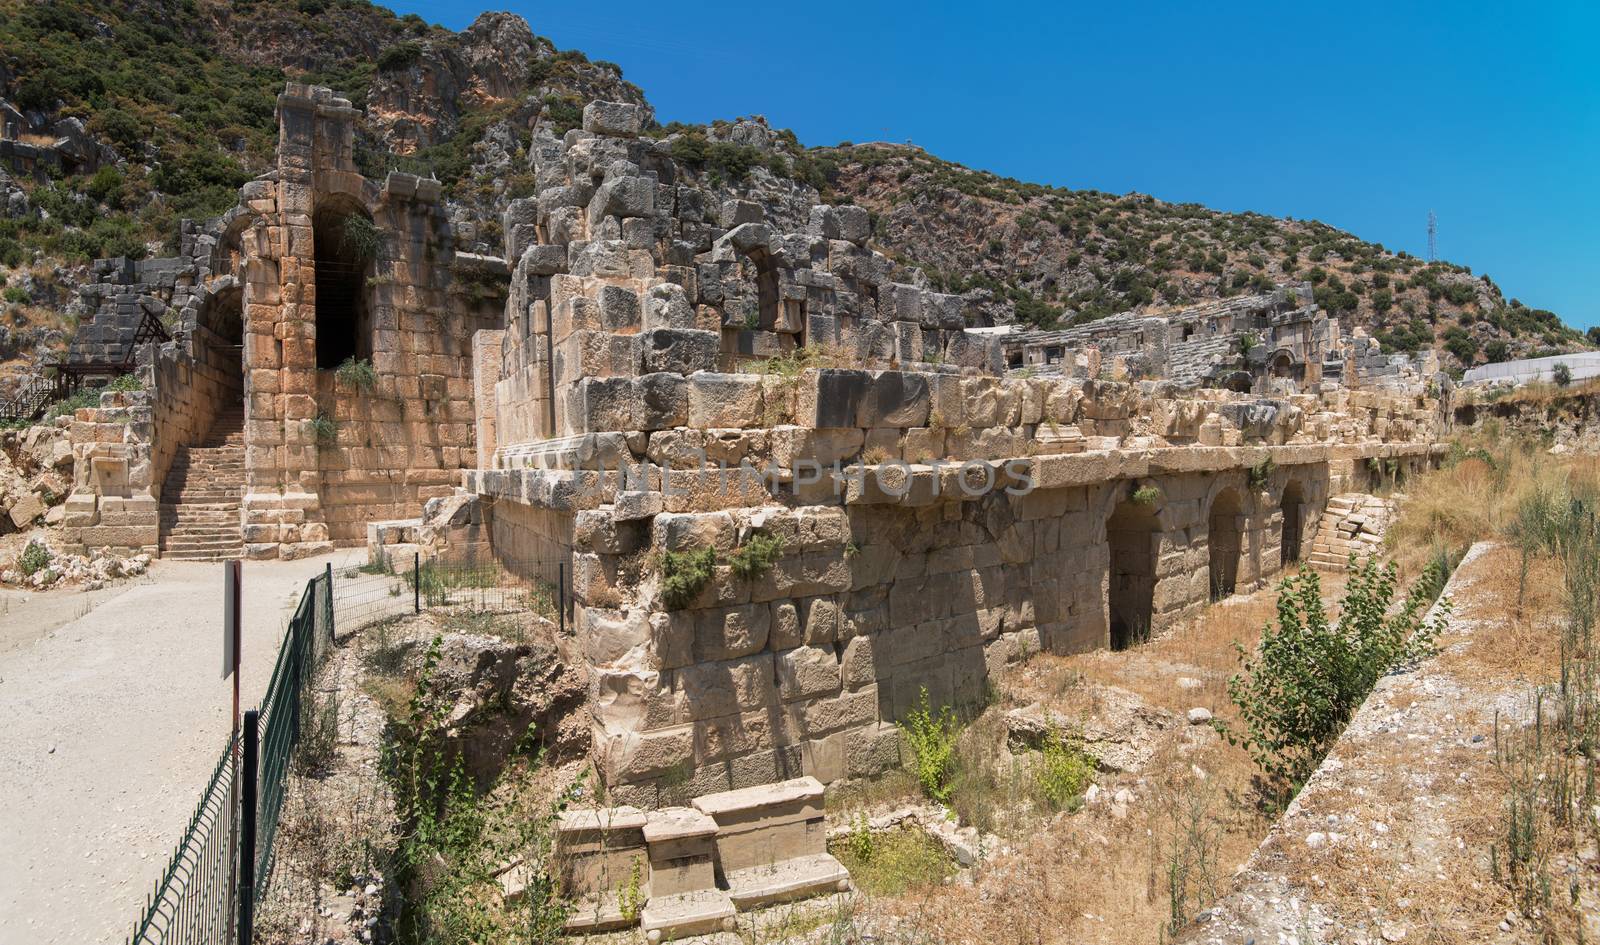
1475	497
1521	642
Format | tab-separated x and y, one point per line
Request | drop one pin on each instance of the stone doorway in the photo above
1133	535
1293	511
1223	537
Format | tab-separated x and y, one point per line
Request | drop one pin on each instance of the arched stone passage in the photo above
342	257
1293	509
1223	537
1283	364
1134	535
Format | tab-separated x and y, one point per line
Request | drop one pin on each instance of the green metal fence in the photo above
193	902
196	901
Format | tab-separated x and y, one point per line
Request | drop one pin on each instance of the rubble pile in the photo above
40	566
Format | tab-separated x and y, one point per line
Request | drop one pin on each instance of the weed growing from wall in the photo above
684	574
757	556
356	373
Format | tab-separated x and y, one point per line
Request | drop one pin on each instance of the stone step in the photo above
181	543
220	555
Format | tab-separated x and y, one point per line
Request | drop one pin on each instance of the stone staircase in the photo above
1353	523
200	498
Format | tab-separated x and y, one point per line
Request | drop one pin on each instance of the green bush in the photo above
34	558
1561	374
360	237
1307	676
757	555
1146	495
684	574
1064	773
1261	473
399	56
893	862
932	740
126	383
16	295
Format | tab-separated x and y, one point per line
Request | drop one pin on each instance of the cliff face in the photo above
161	109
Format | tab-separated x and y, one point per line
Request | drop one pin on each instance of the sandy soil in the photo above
113	711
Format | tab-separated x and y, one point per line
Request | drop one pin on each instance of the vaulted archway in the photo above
1133	535
1223	536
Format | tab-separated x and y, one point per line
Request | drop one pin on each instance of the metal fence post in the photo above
247	831
416	581
328	574
561	594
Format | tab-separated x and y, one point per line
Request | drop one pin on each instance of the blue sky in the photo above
1364	116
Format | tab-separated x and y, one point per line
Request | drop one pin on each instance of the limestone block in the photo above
831	399
611	635
851	710
729	633
664	402
747	236
895	399
609	403
807	672
785	633
619	308
667	306
855	224
27	508
725	400
672	531
724	688
682	351
819	620
623	197
543	260
859	666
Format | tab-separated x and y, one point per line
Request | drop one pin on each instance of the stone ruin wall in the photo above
405	440
634	304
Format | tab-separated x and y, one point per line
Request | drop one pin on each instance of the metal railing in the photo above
222	864
404	585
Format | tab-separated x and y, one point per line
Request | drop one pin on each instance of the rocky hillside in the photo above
1051	256
160	109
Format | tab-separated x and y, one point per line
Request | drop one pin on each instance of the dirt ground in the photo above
113	711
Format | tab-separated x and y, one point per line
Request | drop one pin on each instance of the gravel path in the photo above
109	725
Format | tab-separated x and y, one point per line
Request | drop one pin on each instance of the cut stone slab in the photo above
597	915
692	913
600	849
772	844
787	880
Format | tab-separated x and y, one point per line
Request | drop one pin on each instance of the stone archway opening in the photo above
1133	534
344	245
1223	537
1293	509
1283	365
